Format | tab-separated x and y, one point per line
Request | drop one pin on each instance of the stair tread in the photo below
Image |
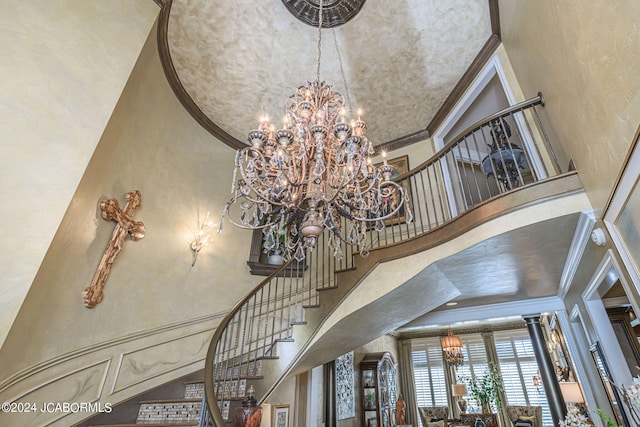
235	377
171	401
185	423
327	288
346	269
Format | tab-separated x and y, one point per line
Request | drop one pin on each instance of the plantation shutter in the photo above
518	367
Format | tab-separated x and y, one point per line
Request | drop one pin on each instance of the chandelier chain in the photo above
342	74
319	42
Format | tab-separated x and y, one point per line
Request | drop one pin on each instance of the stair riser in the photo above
169	412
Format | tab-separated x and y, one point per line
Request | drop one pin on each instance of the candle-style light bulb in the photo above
384	157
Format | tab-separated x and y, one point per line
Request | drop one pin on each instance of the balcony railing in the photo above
502	153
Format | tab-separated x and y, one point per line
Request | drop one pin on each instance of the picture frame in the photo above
280	415
401	166
622	213
372	422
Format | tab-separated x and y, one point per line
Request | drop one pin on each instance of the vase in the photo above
275	258
249	414
486	408
480	423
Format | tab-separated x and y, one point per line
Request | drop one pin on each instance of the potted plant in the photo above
486	390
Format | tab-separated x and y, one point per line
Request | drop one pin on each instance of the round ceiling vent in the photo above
336	12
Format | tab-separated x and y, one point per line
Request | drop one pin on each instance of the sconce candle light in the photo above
202	237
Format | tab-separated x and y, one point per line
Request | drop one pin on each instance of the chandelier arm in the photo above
260	199
338	189
300	182
390	214
227	214
250	183
353	179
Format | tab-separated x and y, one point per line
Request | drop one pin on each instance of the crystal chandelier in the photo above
452	348
314	173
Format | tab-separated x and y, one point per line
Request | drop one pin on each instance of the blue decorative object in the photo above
480	423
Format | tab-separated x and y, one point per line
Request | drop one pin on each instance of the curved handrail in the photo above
208	371
495	155
519	107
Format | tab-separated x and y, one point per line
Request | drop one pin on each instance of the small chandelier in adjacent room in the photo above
452	348
312	174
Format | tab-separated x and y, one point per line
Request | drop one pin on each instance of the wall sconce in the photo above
202	237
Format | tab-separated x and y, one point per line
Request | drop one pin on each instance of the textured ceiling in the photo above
519	265
396	60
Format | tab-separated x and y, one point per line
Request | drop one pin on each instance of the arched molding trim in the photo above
177	87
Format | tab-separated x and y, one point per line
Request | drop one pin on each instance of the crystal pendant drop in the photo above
299	254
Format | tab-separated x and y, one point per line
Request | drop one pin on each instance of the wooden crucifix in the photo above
92	294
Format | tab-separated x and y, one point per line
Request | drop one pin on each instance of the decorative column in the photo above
330	414
547	371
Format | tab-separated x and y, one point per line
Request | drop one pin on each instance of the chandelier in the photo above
313	174
452	348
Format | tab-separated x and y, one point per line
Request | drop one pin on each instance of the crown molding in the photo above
487	312
581	237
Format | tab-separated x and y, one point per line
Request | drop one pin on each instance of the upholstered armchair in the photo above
525	412
428	413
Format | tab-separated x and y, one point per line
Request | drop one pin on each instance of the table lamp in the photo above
460	390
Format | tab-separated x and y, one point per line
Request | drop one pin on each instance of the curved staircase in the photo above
278	328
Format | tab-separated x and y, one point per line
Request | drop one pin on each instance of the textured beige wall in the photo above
63	65
584	57
148	328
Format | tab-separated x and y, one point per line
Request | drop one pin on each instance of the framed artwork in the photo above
401	166
345	387
280	415
622	217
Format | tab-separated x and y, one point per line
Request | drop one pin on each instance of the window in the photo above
475	363
518	367
428	372
516	361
